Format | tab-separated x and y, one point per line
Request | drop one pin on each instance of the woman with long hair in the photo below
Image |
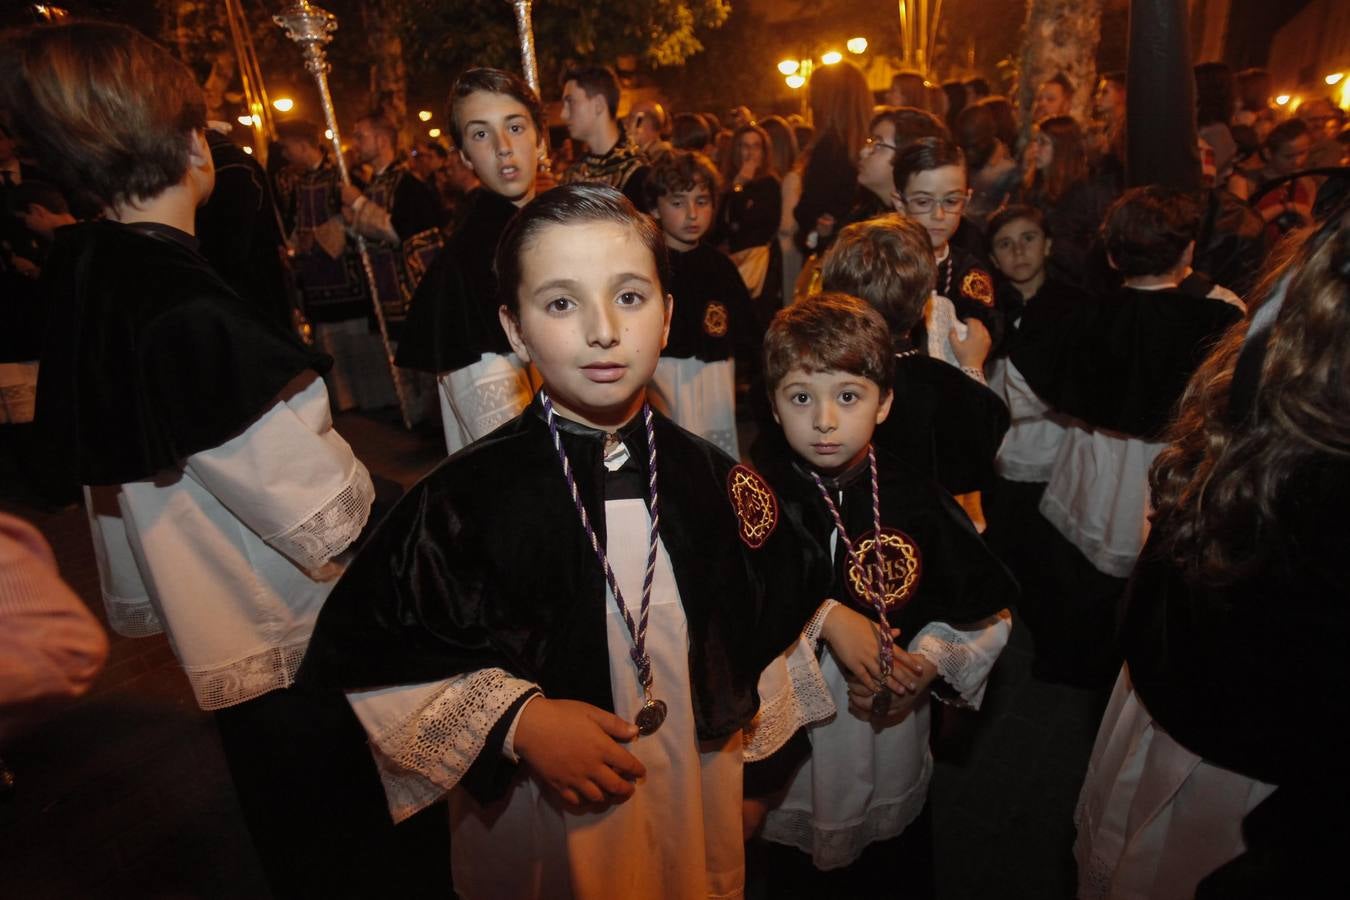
841	110
1216	741
1060	184
750	209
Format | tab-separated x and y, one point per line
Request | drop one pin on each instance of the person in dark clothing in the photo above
841	108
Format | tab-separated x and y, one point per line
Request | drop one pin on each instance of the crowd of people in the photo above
987	375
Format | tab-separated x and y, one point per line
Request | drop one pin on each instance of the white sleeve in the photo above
291	478
965	656
792	693
426	736
1023	403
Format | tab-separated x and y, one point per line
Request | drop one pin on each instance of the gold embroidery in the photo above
977	285
715	319
901	567
756	506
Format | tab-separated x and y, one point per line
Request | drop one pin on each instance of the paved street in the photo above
125	793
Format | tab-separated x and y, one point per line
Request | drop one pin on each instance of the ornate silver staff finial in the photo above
312	28
525	29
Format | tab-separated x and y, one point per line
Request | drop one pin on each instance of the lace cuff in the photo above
811	633
964	656
131	616
423	752
976	374
332	529
793	694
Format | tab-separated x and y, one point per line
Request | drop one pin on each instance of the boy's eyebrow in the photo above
554	283
573	284
624	277
486	122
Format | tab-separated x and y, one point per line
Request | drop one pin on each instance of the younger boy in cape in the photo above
568	619
695	382
452	329
903	554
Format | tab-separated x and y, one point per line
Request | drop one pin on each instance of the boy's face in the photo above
1020	248
828	417
582	114
685	216
935	199
499	144
876	160
592	319
1051	100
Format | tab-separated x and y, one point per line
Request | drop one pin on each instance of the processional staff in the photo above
312	28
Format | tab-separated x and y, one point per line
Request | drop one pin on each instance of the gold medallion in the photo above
755	505
901	565
715	319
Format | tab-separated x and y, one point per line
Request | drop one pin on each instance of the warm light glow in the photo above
795	81
435	133
789	66
248	150
424	115
328	134
246	121
831	58
857	45
1282	100
283	104
255	120
1335	77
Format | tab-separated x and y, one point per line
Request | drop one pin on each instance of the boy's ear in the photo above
1187	256
511	325
884	409
464	157
1049	245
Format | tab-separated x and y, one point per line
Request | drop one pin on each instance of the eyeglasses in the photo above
951	204
873	143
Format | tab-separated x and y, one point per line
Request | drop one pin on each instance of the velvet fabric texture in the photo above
963	278
702	279
452	319
960	581
1119	361
150	356
484	563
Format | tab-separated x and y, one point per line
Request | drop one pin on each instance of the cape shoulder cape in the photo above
150	356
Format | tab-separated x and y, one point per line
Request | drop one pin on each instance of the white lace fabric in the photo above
332	528
218	687
964	657
423	753
793	694
131	616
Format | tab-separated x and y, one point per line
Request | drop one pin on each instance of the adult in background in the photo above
1054	97
590	109
649	126
841	108
1283	202
1059	183
994	174
1214	90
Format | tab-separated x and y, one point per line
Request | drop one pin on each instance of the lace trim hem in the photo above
961	659
332	529
800	699
248	678
835	847
132	616
426	755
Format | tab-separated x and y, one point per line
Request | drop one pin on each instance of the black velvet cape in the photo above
484	563
700	278
452	319
960	582
149	355
1118	361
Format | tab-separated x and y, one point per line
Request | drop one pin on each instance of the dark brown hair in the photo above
829	332
1068	163
733	167
491	81
1148	228
678	171
571	204
924	155
108	111
841	106
888	262
597	80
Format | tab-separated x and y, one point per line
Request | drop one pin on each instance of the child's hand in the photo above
974	350
860	697
853	638
572	747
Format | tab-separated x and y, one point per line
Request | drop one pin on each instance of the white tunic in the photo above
231	555
482	396
1029	448
678	836
1153	818
700	397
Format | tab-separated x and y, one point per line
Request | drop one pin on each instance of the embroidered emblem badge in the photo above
977	285
715	319
756	506
901	567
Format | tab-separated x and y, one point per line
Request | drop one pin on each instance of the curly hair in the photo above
1218	487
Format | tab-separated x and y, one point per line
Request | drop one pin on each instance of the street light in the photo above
434	133
1282	100
1335	78
831	58
795	81
283	104
246	121
424	115
789	66
857	45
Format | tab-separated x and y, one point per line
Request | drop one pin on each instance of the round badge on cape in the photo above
977	285
901	568
715	319
755	505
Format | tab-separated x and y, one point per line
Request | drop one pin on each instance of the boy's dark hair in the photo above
678	171
380	123
1286	132
110	112
910	124
689	131
829	333
1012	213
432	146
570	204
1063	81
300	130
924	155
1148	228
888	262
491	81
976	131
979	87
37	193
595	80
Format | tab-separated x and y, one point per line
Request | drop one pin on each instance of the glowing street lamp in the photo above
831	58
248	150
424	115
1335	78
434	133
246	121
283	104
328	134
795	81
857	45
789	66
1282	100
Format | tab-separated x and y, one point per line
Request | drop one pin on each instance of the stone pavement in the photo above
125	794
